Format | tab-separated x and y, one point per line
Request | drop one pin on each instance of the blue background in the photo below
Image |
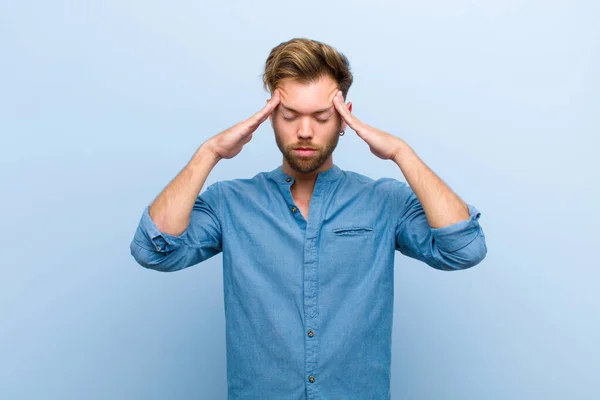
102	103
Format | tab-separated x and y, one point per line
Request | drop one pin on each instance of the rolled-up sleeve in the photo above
454	247
201	240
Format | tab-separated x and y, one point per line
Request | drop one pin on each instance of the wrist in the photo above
402	151
205	154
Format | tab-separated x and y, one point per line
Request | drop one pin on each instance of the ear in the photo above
344	124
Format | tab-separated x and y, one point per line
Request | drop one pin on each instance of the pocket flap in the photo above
353	230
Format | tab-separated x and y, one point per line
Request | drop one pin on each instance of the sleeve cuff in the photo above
458	235
149	233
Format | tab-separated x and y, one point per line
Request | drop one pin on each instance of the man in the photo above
308	249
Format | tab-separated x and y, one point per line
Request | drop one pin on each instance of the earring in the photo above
342	133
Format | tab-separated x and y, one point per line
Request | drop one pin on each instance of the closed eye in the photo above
320	120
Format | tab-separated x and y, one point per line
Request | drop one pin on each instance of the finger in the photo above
342	108
263	114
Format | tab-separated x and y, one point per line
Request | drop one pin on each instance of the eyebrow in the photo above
322	110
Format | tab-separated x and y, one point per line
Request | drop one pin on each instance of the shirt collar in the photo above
281	177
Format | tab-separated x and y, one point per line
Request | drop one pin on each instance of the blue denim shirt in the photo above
309	304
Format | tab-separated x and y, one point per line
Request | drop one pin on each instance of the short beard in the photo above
307	165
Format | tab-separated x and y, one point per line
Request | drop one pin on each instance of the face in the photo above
306	124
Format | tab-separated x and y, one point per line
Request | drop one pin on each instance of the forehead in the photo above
306	97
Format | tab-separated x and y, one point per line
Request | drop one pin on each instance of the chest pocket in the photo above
348	254
352	231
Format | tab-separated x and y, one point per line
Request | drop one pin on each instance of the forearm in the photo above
441	205
171	210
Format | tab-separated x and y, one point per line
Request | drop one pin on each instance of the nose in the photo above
305	130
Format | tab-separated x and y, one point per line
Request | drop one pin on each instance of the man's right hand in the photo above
172	209
230	142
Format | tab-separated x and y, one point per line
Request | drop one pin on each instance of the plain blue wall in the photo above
102	103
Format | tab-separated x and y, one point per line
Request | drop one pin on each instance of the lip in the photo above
305	151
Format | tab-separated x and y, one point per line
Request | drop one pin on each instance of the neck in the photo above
305	182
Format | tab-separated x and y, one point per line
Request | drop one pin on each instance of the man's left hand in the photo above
382	144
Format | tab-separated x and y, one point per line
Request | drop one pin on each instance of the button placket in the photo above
311	277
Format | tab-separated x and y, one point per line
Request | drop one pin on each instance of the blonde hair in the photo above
305	60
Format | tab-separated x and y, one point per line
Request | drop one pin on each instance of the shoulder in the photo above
385	185
242	186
